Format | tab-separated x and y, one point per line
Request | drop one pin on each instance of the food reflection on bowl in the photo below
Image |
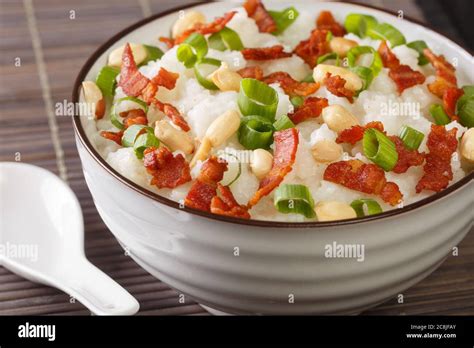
298	183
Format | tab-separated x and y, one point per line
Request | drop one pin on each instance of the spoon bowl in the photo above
42	234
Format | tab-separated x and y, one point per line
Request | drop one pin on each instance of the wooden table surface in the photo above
50	48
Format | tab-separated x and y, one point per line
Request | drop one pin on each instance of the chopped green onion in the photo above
328	56
411	137
139	140
143	142
282	123
192	50
203	80
226	39
371	206
297	101
359	24
153	53
283	19
115	114
465	107
234	169
294	199
308	78
419	46
440	116
255	132
379	149
385	31
106	80
367	74
257	98
131	134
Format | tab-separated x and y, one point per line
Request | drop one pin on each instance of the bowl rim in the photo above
81	135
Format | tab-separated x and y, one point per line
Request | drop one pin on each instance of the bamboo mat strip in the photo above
52	48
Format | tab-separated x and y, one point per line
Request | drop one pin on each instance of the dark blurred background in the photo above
455	17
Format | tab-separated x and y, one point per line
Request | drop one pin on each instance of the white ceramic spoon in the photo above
40	213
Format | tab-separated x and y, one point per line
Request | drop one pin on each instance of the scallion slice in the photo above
192	50
411	137
294	199
106	80
308	78
153	53
328	56
144	141
226	39
367	74
255	132
371	206
257	98
234	169
419	46
465	107
385	31
202	79
439	115
115	114
379	149
282	123
283	19
297	101
359	24
139	137
131	134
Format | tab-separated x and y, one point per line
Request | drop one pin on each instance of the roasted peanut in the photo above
139	54
333	210
353	82
226	79
326	151
341	45
261	163
187	21
93	96
467	145
223	127
174	138
338	118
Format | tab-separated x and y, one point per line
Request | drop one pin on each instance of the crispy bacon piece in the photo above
311	108
132	81
367	178
165	79
210	28
314	47
403	76
254	72
168	170
291	86
286	145
204	188
356	133
406	158
136	116
335	84
450	98
442	144
326	21
169	42
445	74
131	117
265	53
257	11
227	205
173	113
114	136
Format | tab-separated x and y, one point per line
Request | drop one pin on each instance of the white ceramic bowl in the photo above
194	252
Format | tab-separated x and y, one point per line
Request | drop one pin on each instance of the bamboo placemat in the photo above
51	46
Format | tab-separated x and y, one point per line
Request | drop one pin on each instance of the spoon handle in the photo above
98	292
